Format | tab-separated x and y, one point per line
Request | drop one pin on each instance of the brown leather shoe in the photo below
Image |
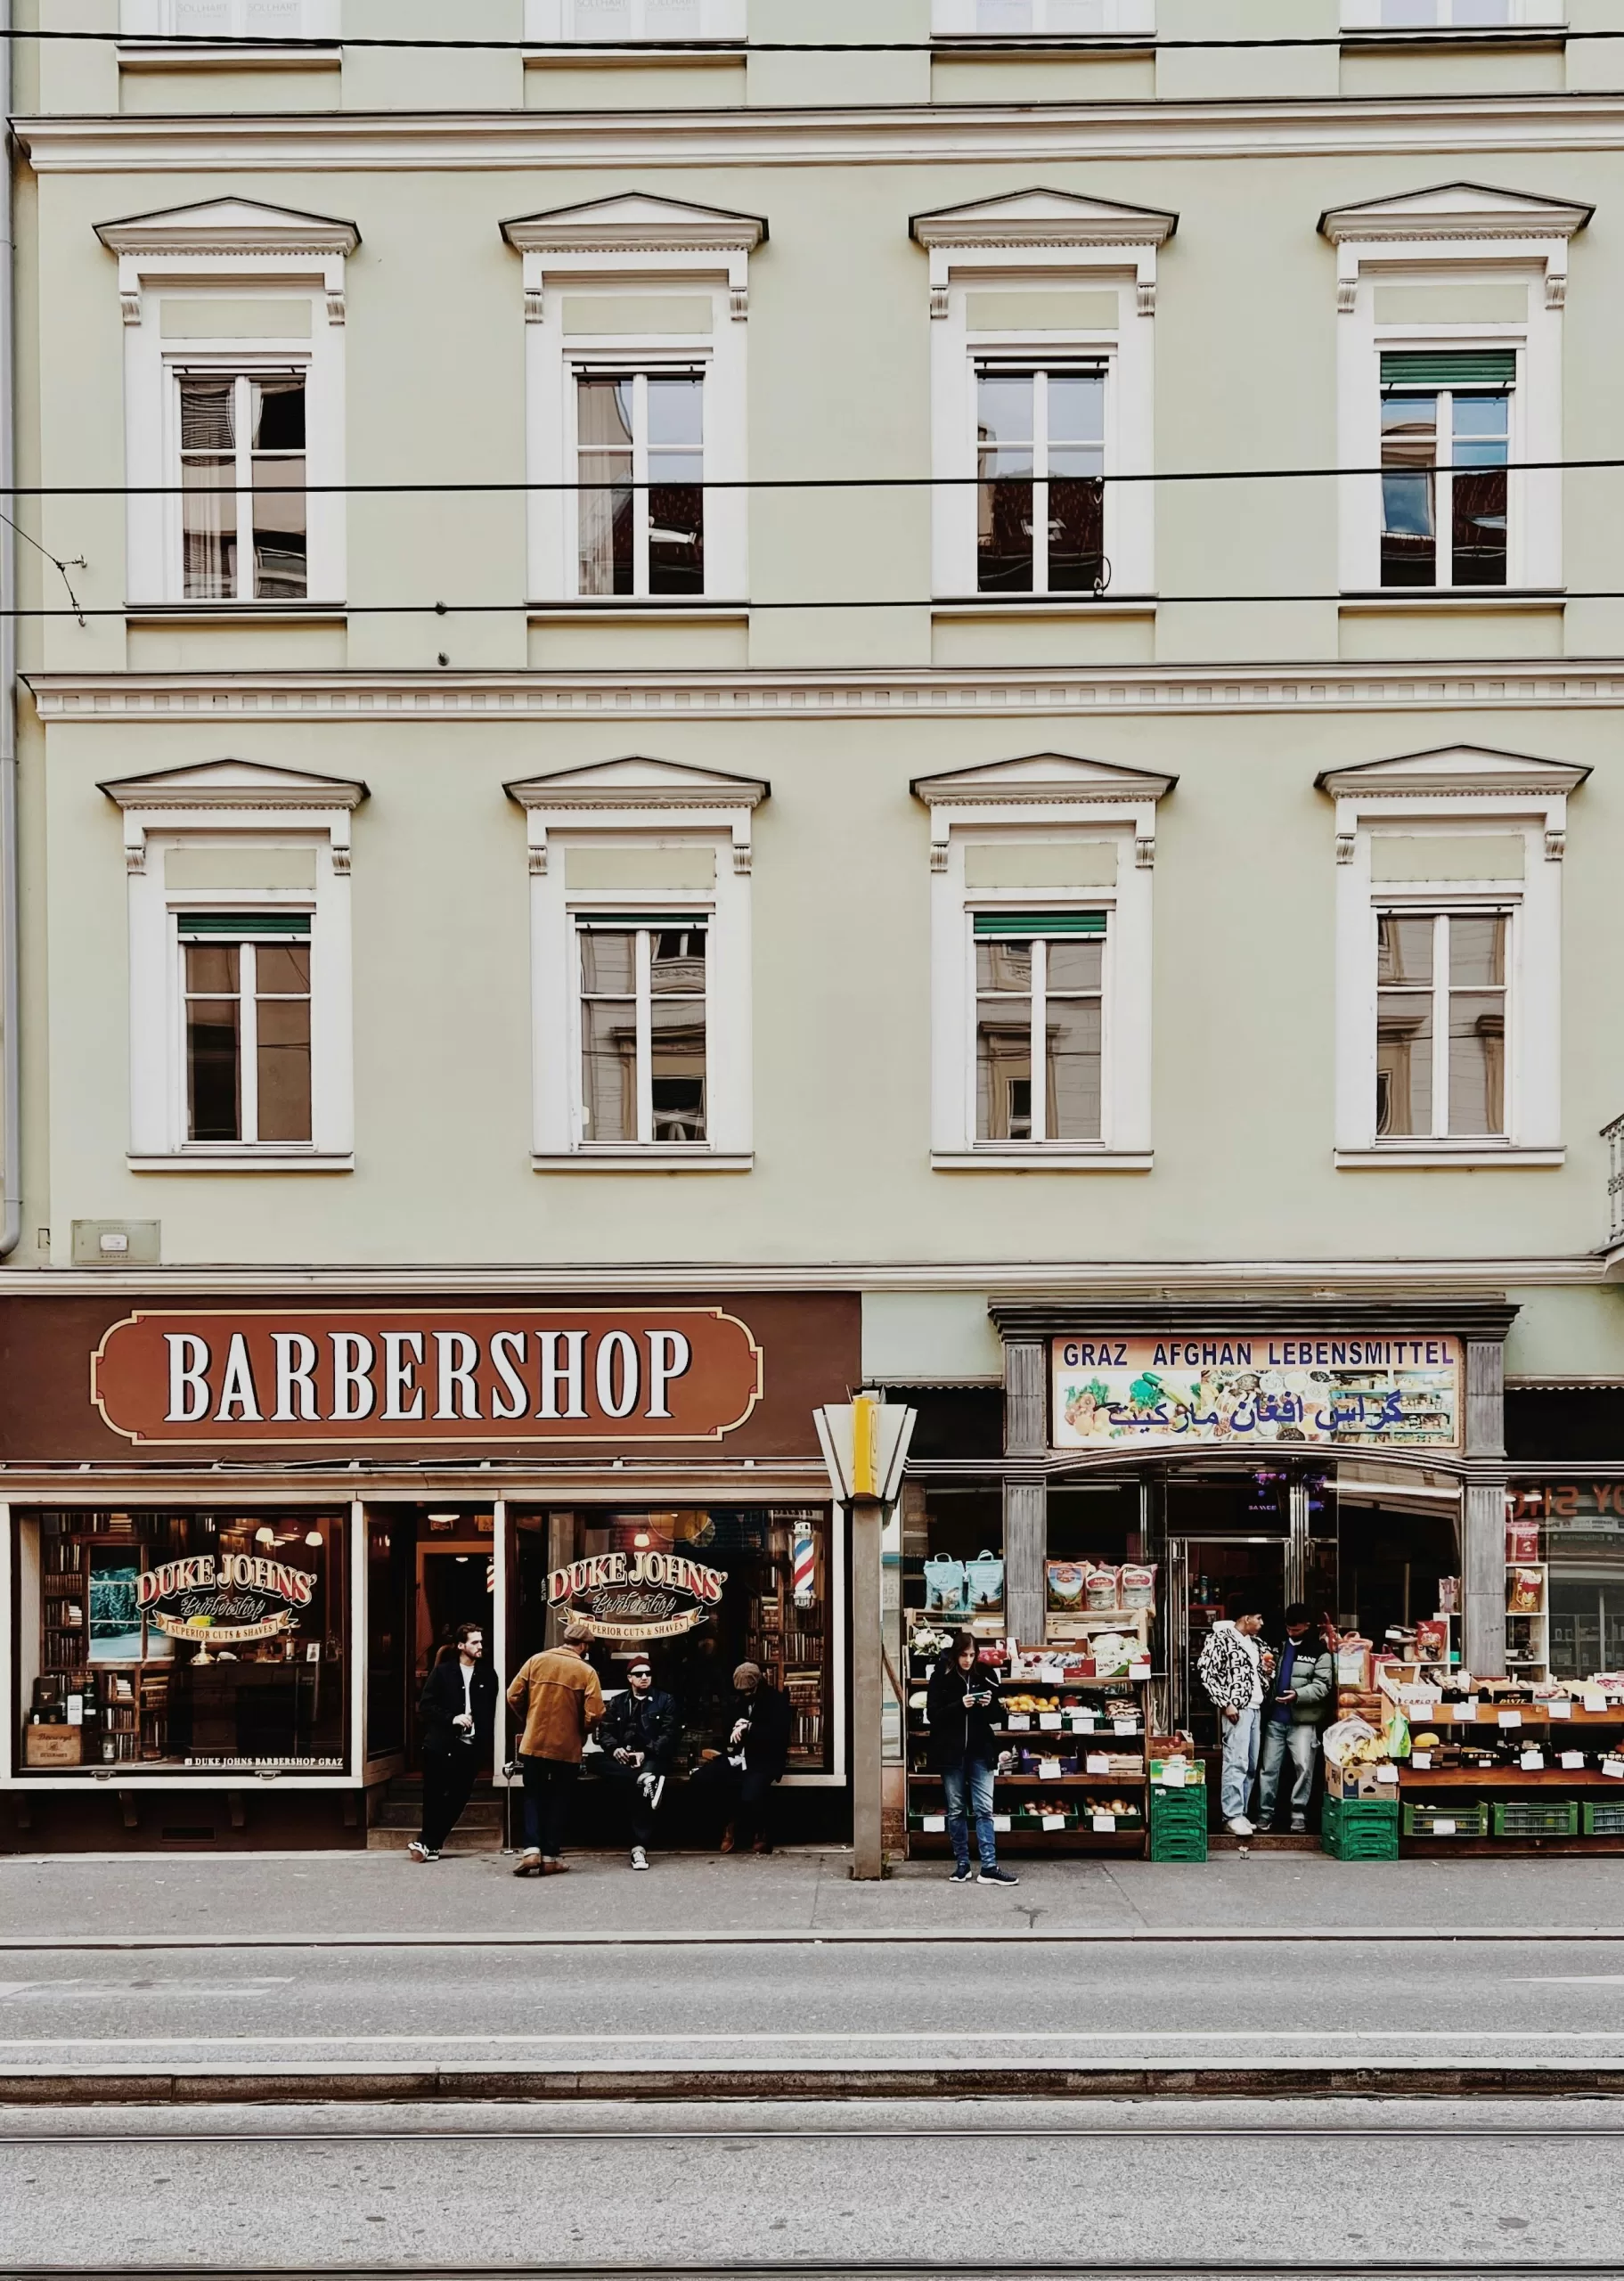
554	1869
728	1840
760	1845
528	1865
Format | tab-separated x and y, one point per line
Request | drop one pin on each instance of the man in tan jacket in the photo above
558	1695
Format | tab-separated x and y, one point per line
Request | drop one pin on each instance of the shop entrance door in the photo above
1204	1571
452	1588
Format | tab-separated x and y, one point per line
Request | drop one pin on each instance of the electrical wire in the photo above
637	606
999	43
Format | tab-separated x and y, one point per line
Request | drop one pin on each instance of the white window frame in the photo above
549	20
1442	908
1047	363
654	806
1365	16
1457	235
234	805
244	366
960	19
610	249
1038	1062
1048	799
642	363
1453	795
247	946
225	256
644	923
157	19
1050	241
1517	534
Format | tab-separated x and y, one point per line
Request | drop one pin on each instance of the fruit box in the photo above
1360	1782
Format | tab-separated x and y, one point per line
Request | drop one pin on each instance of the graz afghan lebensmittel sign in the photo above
1361	1392
467	1375
638	1595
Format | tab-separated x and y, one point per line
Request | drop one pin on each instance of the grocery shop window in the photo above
1571	1533
605	23
191	1643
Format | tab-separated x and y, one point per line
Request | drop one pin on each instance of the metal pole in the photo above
10	932
868	1686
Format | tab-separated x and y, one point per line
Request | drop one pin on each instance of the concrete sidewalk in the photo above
365	1896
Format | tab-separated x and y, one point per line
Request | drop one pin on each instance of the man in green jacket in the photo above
1303	1684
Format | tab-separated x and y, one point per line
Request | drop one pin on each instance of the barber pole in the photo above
806	1564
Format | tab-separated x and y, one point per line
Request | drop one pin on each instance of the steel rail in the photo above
860	2270
1036	1937
746	2134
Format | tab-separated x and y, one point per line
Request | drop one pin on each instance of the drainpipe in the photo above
11	1050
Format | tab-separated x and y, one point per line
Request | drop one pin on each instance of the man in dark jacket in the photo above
457	1713
959	1707
740	1776
1302	1687
638	1738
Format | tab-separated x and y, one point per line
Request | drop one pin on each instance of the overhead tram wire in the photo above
264	613
1047	43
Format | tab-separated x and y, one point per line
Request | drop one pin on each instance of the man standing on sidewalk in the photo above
558	1695
740	1779
457	1712
640	1735
1304	1680
1231	1671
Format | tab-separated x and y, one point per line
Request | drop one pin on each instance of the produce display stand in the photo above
1509	1808
1078	1728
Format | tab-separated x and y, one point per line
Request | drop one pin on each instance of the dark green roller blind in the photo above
1021	925
1441	368
210	925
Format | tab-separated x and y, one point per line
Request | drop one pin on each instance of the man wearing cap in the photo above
638	1735
757	1752
558	1696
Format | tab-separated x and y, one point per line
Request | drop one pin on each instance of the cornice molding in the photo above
1453	771
636	223
499	141
230	225
1453	211
635	784
1021	691
231	784
1041	217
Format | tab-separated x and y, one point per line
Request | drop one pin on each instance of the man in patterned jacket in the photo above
1231	1671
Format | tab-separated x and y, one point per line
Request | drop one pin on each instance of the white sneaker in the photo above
421	1852
640	1859
1300	1824
1238	1825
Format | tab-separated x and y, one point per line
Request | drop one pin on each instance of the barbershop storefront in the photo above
233	1539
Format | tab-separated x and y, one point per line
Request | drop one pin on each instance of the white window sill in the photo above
1064	43
1422	598
655	1158
236	613
228	1160
631	609
989	607
1041	1159
1446	1157
237	56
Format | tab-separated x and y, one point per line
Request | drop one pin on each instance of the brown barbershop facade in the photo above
233	1537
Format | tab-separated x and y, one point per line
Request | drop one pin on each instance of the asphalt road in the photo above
1495	2189
812	2006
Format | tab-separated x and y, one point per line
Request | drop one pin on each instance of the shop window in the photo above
953	1557
183	1643
1565	1552
773	1606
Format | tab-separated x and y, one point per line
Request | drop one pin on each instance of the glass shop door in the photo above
1204	1571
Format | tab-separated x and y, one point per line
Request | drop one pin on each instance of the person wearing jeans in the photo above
1231	1671
964	1751
558	1696
1304	1676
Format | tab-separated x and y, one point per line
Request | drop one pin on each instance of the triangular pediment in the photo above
1043	218
229	226
636	221
638	783
1454	769
234	784
1042	777
1456	209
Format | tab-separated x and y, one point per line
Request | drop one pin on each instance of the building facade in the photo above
721	700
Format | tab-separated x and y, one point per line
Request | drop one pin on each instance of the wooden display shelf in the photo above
1057	1781
1511	1778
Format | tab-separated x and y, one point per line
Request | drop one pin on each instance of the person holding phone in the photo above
959	1706
458	1712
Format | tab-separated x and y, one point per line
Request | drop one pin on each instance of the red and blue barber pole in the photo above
805	1568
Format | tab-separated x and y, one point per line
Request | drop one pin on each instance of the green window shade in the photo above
1466	368
1022	926
238	926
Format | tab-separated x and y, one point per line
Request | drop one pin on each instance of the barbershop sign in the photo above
363	1378
637	1596
1363	1392
221	1600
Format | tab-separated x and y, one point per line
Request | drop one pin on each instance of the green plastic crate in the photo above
1469	1820
1180	1806
1536	1818
1360	1830
1604	1819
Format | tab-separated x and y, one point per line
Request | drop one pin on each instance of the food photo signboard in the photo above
1359	1392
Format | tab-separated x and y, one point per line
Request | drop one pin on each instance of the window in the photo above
1446	442
268	21
1028	19
1441	1024
1040	1007
642	1032
1041	444
246	990
606	22
641	447
244	522
1449	15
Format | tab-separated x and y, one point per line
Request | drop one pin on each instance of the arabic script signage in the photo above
221	1600
1355	1392
641	1596
362	1378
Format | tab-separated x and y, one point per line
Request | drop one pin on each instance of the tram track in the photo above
868	2269
1025	1936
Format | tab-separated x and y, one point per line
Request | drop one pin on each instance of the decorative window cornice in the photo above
228	791
1047	228
232	232
639	794
636	232
1044	788
1454	772
1436	224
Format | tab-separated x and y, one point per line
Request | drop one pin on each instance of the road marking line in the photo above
907	2036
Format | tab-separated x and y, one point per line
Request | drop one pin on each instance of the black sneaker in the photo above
997	1876
963	1875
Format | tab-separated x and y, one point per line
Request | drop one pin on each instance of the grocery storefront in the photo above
1156	1462
235	1537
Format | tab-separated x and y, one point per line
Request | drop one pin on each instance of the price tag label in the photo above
1096	1762
1511	1718
1560	1710
1105	1823
1533	1761
1171	1778
1050	1769
1124	1726
1050	1718
1387	1774
1572	1759
1054	1822
1614	1767
935	1825
1082	1719
1001	1822
1422	1761
1443	1829
1139	1670
1594	1699
1019	1722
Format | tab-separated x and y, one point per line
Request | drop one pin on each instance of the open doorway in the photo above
454	1586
